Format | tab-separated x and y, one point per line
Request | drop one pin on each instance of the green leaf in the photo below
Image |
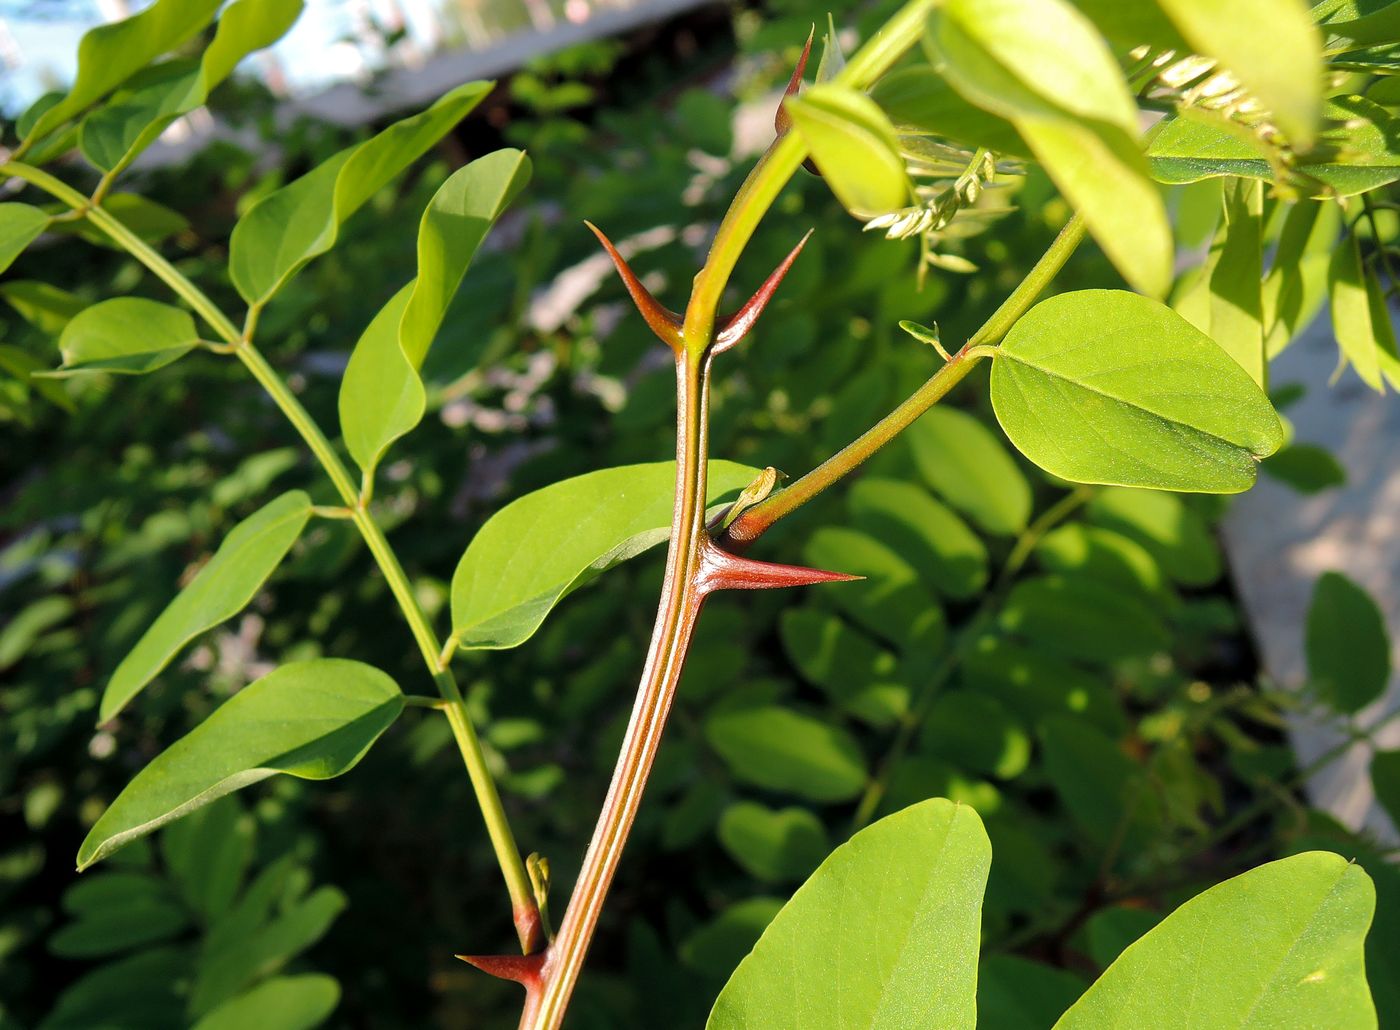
968	466
781	750
1170	531
1279	946
1109	931
286	229
976	733
312	719
1102	386
248	555
1362	327
116	912
207	854
1348	647
773	845
1071	105
1081	619
1014	993
282	1003
890	601
109	54
1036	685
921	100
20	225
884	933
948	555
542	546
718	946
47	308
1281	67
1103	556
1296	284
141	987
112	136
1106	793
126	335
855	147
1306	468
231	961
150	221
1236	281
382	395
1358	155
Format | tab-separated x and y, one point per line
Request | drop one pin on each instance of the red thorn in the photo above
720	570
743	320
522	969
782	121
666	324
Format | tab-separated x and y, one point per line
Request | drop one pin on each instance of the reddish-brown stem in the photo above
675	623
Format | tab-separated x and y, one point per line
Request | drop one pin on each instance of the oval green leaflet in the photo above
382	395
312	719
248	555
129	335
538	548
1104	386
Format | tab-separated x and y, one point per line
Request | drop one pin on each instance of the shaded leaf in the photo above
20	225
1169	530
969	467
382	395
1103	386
207	854
920	99
1236	281
949	556
1102	555
1348	648
773	845
1307	468
781	750
249	554
1079	618
540	547
135	993
1280	945
884	933
1014	993
1362	328
312	719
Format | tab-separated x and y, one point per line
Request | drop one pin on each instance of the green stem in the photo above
969	633
781	161
498	828
754	522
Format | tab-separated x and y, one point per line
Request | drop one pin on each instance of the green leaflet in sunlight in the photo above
113	135
1073	108
856	148
1236	281
885	933
282	1003
1280	945
312	719
126	334
782	750
249	554
20	225
1359	316
1281	65
1103	386
382	395
110	54
540	547
965	464
1348	648
286	229
1355	155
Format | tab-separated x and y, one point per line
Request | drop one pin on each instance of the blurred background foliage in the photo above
1115	781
